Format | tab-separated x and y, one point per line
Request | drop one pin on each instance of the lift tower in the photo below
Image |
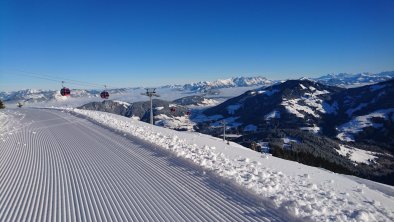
150	93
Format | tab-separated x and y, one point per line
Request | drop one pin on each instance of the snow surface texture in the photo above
304	192
357	124
59	167
178	122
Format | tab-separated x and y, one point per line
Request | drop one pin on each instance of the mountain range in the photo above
208	88
353	80
316	124
346	130
313	121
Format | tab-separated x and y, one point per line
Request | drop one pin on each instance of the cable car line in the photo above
68	80
57	79
64	91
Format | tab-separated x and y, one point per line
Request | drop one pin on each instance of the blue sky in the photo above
147	43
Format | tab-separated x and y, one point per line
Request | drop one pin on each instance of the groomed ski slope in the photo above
57	167
303	192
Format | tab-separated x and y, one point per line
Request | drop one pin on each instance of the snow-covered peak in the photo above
227	83
357	79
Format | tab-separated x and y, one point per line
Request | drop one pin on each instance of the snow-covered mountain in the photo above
344	130
221	87
206	86
37	95
354	80
169	92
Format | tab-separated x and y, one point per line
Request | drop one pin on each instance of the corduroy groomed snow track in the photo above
58	167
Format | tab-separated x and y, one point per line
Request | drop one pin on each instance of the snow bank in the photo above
305	192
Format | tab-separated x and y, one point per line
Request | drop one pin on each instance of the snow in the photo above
309	103
61	167
312	88
135	117
272	115
203	118
177	122
348	80
314	129
357	155
271	92
232	108
318	92
357	124
52	98
305	192
264	147
289	139
125	104
293	107
159	108
209	102
302	86
230	82
264	92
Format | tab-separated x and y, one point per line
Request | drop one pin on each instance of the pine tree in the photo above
2	106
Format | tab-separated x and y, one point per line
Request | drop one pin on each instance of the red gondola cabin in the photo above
104	95
65	91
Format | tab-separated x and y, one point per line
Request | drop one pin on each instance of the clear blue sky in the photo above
145	43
